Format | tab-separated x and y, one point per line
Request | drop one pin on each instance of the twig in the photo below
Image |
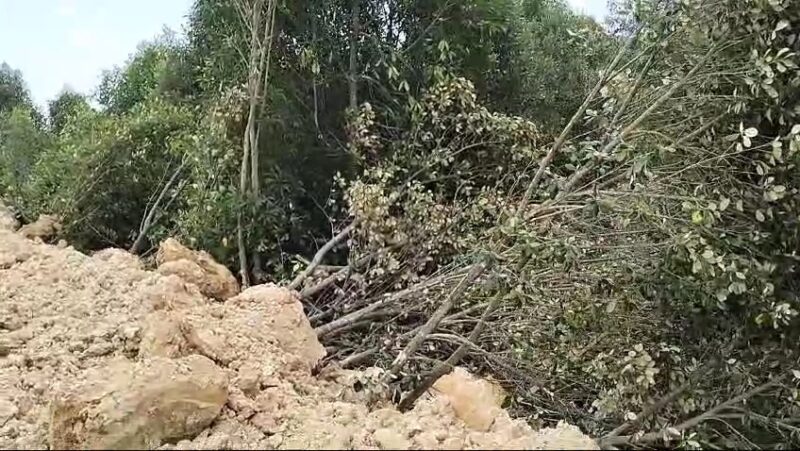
692	422
339	272
321	254
545	162
314	289
650	410
444	367
474	272
387	300
148	219
363	355
357	358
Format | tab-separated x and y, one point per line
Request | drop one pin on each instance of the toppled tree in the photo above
646	274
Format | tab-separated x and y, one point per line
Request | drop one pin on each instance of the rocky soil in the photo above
97	352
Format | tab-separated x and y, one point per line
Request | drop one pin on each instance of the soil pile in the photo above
97	352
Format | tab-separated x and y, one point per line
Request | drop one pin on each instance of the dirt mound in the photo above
97	352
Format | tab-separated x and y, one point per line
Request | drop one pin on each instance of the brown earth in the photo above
96	352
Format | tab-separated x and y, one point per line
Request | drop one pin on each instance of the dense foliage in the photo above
634	218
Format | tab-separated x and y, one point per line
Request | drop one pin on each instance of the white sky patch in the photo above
66	8
595	8
82	38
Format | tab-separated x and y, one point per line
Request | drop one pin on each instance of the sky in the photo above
68	43
58	43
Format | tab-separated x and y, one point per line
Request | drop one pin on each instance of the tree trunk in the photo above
354	34
149	218
243	272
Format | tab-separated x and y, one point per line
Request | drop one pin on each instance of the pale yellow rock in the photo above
197	267
284	320
248	379
44	228
475	401
162	336
118	259
7	219
172	293
138	405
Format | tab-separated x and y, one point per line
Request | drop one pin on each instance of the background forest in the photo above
602	217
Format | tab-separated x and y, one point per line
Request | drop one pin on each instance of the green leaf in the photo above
783	23
751	132
777	152
760	216
737	287
771	91
723	203
697	217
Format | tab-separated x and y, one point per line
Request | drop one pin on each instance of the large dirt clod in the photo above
197	267
475	401
138	405
283	319
7	219
44	228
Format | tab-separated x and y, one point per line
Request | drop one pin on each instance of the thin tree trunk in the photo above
562	138
354	34
320	255
258	95
249	136
148	220
314	80
243	271
446	366
434	320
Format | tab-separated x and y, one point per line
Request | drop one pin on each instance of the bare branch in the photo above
387	300
474	272
624	105
694	421
357	358
148	222
446	366
321	254
565	132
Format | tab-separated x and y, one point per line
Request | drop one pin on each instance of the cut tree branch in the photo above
387	300
443	368
651	437
148	220
543	165
321	254
412	346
